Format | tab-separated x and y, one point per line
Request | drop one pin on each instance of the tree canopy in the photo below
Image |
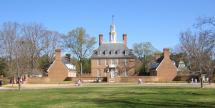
79	43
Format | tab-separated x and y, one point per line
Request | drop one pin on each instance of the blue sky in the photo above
155	21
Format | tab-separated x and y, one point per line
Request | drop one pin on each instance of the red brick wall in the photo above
101	68
134	79
87	79
57	71
166	71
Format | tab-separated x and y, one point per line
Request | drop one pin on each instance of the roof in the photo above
68	65
156	63
181	66
112	50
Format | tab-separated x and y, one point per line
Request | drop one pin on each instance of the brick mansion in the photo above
113	61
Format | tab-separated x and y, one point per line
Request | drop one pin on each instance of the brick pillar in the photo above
166	52
57	54
124	37
100	39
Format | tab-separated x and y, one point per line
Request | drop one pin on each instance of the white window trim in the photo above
117	61
98	62
106	62
97	73
125	62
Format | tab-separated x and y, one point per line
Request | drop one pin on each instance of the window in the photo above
117	61
105	74
106	62
98	52
114	61
95	52
126	61
97	73
104	52
116	52
98	62
124	52
110	52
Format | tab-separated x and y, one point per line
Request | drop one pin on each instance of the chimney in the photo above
124	37
157	56
57	54
166	52
67	57
100	39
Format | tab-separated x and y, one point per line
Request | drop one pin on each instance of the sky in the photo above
157	21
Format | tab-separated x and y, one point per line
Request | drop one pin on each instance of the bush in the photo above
5	81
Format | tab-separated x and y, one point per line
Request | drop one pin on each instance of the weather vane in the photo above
112	19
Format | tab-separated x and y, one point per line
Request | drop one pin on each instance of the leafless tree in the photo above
23	44
51	42
36	38
9	33
199	47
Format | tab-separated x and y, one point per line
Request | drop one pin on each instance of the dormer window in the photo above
95	52
99	53
116	52
124	52
110	52
104	52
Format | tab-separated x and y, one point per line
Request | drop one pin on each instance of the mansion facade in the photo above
112	59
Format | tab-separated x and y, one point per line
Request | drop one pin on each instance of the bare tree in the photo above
9	33
79	43
51	42
35	38
199	48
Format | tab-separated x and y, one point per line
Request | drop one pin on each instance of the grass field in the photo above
109	97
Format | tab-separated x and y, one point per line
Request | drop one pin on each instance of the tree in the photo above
51	42
3	67
199	47
23	44
80	44
44	64
144	51
9	33
34	35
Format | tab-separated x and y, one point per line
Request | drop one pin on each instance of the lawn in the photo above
109	97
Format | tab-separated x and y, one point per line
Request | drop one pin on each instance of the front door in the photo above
112	73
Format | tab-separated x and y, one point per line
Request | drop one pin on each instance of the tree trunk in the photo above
81	69
201	81
19	83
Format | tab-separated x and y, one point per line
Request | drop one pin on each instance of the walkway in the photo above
49	86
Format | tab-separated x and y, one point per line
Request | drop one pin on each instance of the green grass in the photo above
109	97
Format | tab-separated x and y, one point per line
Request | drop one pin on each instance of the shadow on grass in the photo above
132	103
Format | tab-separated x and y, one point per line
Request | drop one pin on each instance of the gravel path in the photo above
48	86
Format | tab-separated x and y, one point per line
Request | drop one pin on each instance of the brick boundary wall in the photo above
35	80
130	79
136	78
87	79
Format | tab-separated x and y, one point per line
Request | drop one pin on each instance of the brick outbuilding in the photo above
60	69
163	67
